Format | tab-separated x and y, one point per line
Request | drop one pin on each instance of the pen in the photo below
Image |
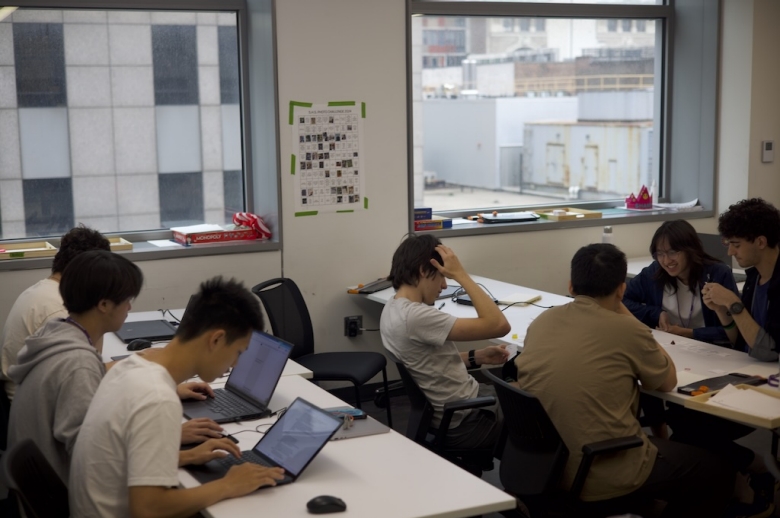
441	305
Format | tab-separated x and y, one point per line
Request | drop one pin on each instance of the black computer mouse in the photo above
326	504
139	344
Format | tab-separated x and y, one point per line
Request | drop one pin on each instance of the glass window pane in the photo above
124	120
556	115
48	206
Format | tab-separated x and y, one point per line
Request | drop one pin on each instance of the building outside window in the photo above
121	120
565	113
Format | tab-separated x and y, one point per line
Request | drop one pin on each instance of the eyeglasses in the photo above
671	254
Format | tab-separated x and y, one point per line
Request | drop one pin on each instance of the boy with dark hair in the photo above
422	337
583	360
60	366
125	459
751	230
42	302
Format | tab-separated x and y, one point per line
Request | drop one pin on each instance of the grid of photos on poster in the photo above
329	159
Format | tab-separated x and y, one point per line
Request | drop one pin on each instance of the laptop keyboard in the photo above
227	404
248	456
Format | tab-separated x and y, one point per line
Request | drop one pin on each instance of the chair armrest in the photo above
591	450
452	407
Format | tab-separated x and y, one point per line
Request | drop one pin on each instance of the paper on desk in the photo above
165	243
512	350
747	401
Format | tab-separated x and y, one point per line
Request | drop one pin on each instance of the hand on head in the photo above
451	266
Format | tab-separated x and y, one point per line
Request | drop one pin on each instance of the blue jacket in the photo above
644	298
761	350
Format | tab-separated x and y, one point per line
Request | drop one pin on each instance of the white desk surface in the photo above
113	346
383	475
694	360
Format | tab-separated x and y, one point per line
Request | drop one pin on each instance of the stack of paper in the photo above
747	401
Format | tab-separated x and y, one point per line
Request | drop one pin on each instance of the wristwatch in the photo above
472	360
736	308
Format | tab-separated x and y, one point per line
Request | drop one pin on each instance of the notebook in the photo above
251	383
153	330
291	443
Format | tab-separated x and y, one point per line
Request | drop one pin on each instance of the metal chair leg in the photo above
387	392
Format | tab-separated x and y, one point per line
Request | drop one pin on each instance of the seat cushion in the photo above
357	367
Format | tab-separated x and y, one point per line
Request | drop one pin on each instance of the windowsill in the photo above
144	251
612	216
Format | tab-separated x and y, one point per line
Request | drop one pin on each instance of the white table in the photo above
113	346
378	476
694	360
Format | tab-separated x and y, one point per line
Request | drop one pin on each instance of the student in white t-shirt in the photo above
126	458
42	302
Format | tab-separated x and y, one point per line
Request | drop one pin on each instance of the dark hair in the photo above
598	270
99	275
221	304
749	219
681	237
414	253
77	240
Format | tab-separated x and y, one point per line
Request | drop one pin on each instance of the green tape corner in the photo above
365	202
341	103
292	163
293	104
362	110
306	213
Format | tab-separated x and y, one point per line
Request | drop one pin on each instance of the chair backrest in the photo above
534	455
286	309
34	481
5	416
421	410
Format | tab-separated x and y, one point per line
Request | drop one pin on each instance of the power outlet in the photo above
352	326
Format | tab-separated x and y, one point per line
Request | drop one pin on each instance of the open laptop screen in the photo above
296	438
258	369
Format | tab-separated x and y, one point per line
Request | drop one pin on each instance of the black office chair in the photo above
534	455
5	416
290	321
32	479
419	429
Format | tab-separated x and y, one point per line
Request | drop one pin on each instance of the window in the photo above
125	120
571	113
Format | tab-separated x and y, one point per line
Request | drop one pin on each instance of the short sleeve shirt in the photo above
417	335
583	362
130	437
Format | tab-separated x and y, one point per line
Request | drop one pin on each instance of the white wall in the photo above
326	253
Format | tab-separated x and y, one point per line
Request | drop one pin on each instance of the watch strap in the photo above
472	360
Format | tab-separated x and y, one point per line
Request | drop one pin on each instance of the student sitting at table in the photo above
583	361
667	295
751	230
421	337
60	366
126	459
42	302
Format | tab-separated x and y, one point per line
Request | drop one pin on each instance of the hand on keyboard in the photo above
247	477
209	450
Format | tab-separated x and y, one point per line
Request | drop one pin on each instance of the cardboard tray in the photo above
700	403
118	243
27	250
571	214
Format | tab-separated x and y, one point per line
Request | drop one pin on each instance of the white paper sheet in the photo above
747	401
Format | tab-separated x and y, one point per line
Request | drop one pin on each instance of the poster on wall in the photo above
327	159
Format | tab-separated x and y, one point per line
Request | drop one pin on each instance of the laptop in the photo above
154	330
291	443
713	245
250	385
360	428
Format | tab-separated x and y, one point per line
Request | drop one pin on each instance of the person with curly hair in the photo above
42	302
751	231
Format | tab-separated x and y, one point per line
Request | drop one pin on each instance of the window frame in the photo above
678	15
244	10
